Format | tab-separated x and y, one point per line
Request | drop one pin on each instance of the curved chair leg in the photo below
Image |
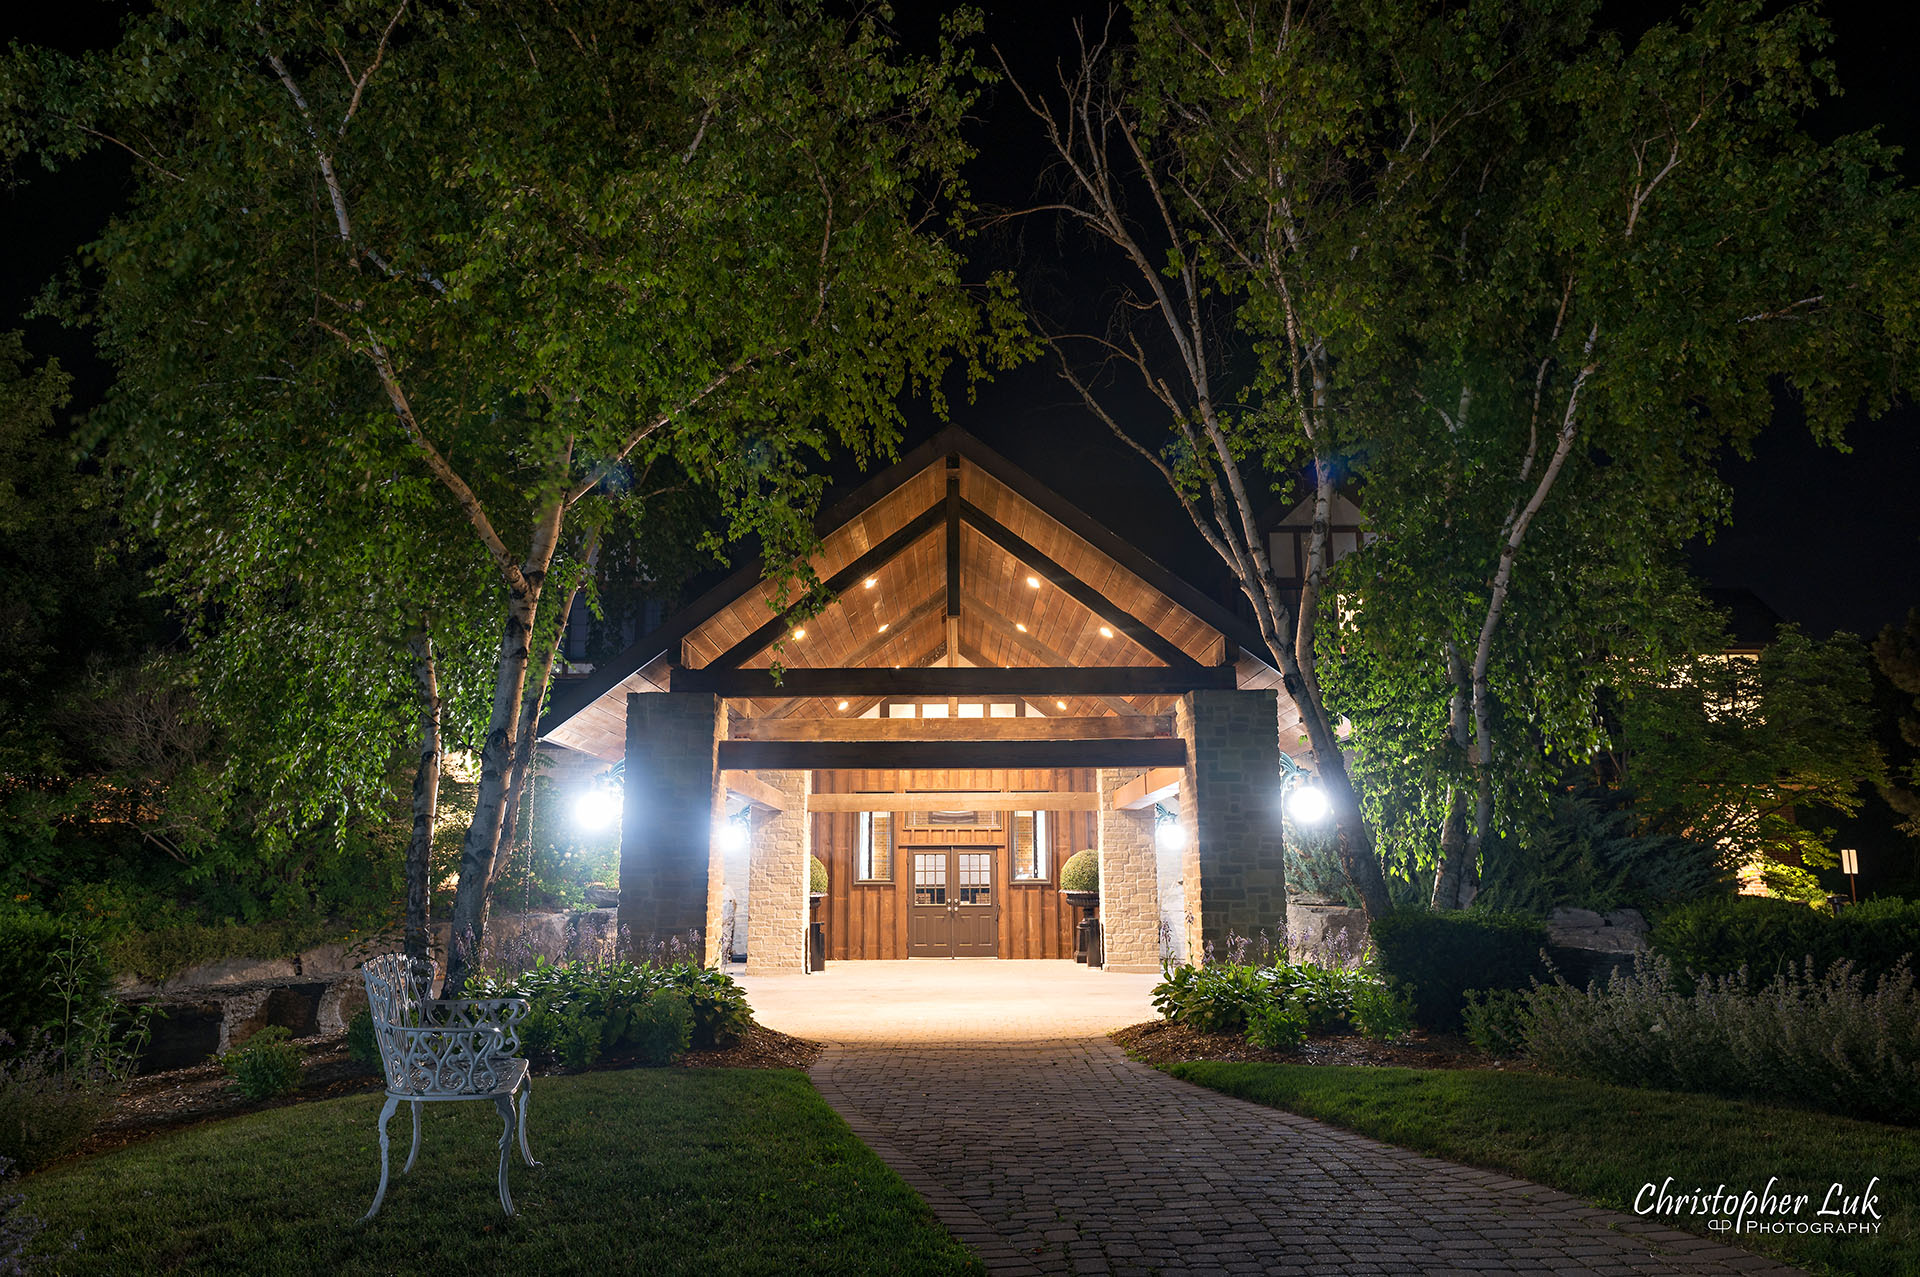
505	1104
416	1140
393	1102
526	1098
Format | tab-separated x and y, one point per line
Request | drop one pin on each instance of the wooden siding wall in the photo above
864	920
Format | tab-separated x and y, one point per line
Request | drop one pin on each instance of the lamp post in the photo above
1850	866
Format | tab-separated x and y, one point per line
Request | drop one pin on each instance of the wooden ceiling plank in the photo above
959	800
878	556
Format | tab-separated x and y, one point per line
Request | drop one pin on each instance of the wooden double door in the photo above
955	909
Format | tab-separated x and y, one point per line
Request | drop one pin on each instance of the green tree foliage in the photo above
1896	654
1747	753
504	260
1647	242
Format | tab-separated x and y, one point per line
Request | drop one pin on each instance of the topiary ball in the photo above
817	876
1081	872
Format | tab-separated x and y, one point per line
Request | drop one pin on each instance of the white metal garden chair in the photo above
445	1049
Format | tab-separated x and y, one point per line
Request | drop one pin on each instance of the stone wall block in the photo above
777	878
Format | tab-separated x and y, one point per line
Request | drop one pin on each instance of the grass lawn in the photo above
1603	1142
654	1170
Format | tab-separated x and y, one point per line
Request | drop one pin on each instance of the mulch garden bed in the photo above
1157	1042
160	1102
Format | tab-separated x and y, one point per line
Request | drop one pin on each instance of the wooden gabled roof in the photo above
953	556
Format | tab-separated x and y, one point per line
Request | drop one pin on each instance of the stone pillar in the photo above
1129	880
777	878
1230	808
666	830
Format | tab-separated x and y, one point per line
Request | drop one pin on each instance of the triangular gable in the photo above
955	510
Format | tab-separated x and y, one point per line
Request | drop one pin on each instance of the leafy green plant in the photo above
721	1016
816	876
1436	957
48	1103
1277	1026
1380	1013
1324	995
620	1003
362	1048
1828	1040
52	976
1219	998
1496	1021
1719	937
265	1066
578	1037
662	1029
1081	871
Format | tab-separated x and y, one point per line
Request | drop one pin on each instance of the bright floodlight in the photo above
1308	804
733	836
596	808
1170	835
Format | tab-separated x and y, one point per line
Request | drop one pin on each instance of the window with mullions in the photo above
1032	832
876	846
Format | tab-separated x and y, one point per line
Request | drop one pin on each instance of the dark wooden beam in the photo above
1026	642
953	538
874	559
960	800
846	683
1074	588
1099	727
751	755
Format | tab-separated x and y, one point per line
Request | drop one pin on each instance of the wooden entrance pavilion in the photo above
999	681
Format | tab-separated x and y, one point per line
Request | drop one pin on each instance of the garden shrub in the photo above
661	1028
362	1047
1436	957
1277	1026
163	952
265	1066
1828	1040
1766	936
52	975
1081	871
1380	1013
816	876
1324	995
620	1004
721	1016
1496	1021
48	1105
1218	998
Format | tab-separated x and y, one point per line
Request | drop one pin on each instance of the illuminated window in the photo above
876	846
1031	842
938	710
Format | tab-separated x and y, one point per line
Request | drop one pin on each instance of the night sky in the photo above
1828	539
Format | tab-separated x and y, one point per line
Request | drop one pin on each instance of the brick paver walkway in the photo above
991	1088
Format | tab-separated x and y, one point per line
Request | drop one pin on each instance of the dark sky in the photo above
1828	539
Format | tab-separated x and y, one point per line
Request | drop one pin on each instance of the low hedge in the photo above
1768	936
1435	958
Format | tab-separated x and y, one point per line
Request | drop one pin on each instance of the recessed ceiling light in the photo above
799	634
883	628
843	704
1033	583
1061	704
872	581
1106	632
1021	626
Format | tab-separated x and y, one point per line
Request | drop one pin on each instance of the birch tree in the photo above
537	246
1651	248
1251	177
